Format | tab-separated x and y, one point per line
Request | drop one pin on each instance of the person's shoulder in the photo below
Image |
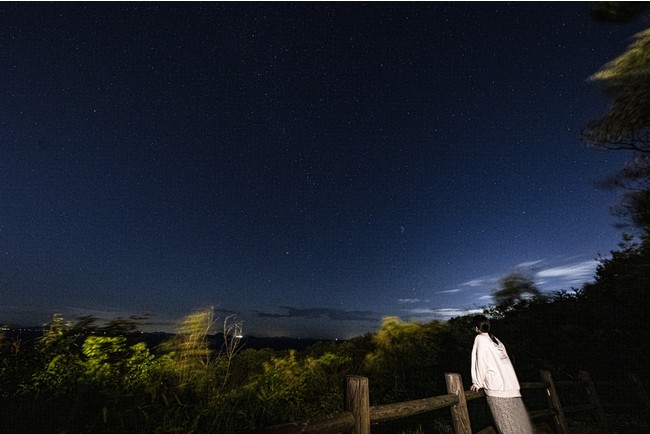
481	337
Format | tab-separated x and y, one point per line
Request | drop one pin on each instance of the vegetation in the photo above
514	288
626	125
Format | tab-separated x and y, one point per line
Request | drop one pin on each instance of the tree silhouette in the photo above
616	11
514	288
626	125
625	81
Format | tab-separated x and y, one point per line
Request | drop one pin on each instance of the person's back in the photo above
492	369
493	372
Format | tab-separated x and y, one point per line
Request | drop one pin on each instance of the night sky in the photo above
307	167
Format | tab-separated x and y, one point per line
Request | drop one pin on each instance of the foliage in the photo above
407	360
61	367
617	11
626	125
292	387
189	352
113	366
514	288
85	379
82	378
16	364
619	302
604	317
625	82
634	182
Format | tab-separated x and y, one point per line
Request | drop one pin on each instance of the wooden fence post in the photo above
357	402
592	394
554	402
459	412
640	391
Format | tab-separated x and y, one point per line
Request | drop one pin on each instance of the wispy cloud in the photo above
571	273
549	274
529	263
442	314
449	291
317	312
411	300
481	282
474	283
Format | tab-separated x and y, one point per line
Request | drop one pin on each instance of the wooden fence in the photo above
358	415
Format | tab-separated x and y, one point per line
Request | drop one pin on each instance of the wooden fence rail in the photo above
358	415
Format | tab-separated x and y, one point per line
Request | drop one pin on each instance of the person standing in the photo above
493	372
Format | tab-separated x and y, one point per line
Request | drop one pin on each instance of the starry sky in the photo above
308	167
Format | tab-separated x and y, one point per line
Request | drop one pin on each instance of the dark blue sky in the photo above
309	167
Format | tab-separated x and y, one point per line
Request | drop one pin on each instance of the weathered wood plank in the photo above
534	385
380	413
331	424
594	400
357	402
554	402
359	420
459	412
542	413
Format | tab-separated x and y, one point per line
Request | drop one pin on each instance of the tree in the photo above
290	387
191	357
617	12
116	367
60	367
626	126
407	358
617	303
624	80
634	181
514	288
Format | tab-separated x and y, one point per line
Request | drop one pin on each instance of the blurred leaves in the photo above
617	11
626	125
514	288
407	359
625	81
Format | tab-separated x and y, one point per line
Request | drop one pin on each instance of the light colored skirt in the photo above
510	415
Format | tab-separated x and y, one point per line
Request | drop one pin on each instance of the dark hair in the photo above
483	324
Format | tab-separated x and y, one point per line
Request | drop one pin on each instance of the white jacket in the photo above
492	369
